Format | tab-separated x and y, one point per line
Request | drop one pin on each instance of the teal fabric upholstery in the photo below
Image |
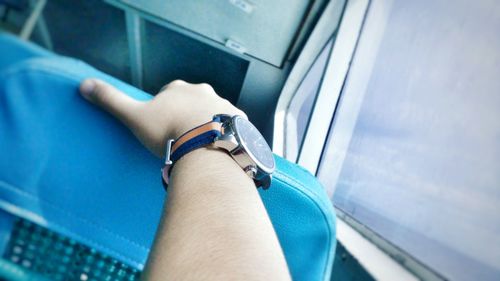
73	168
13	50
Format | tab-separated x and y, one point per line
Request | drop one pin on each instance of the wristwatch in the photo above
234	134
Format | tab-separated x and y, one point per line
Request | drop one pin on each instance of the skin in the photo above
214	225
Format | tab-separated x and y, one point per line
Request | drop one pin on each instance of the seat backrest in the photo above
75	170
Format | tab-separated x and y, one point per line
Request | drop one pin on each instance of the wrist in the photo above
234	135
210	166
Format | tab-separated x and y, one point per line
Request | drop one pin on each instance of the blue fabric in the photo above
73	168
6	224
13	50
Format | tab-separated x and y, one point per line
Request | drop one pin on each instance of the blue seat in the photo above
75	170
13	50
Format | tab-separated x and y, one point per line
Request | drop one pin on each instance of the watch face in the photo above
254	144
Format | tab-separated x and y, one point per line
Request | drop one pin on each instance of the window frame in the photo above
379	257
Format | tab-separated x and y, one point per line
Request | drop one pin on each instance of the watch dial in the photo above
254	143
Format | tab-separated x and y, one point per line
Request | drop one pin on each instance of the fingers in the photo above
111	99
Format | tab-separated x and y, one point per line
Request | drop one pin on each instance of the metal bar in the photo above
134	37
44	33
30	23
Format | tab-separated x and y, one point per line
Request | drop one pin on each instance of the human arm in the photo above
214	225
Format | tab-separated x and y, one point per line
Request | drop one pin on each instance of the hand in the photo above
209	193
178	108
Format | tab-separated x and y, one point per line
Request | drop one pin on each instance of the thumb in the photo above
112	100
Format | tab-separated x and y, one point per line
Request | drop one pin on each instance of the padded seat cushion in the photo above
73	168
13	50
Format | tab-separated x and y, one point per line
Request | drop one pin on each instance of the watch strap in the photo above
198	137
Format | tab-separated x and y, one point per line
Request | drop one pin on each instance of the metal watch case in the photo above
230	141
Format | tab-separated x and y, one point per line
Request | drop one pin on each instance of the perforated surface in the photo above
40	250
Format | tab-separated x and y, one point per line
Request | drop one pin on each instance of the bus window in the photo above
413	151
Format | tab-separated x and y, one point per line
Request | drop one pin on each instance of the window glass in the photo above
414	149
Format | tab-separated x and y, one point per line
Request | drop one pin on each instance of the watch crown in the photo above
251	171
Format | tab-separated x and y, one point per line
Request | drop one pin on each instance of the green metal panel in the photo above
264	29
